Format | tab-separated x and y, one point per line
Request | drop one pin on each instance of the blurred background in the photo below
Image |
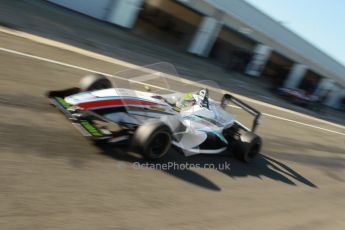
233	34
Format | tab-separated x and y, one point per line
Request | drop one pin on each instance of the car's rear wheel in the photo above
247	147
152	140
94	82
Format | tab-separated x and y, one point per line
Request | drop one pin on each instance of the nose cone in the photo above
80	98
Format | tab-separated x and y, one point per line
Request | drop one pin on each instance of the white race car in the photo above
150	123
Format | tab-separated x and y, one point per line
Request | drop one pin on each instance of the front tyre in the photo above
152	140
247	147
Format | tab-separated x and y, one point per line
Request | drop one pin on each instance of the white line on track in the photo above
77	67
138	82
301	123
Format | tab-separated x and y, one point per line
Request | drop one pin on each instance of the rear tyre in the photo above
247	147
152	140
94	82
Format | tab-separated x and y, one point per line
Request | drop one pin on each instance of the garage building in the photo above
232	33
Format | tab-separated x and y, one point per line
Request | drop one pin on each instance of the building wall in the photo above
236	39
168	22
177	10
241	16
232	50
237	15
266	30
94	8
277	69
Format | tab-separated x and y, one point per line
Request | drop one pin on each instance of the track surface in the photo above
52	178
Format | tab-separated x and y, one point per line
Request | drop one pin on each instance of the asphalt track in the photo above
53	178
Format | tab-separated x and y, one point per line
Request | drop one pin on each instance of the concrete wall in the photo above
167	22
236	39
94	8
177	10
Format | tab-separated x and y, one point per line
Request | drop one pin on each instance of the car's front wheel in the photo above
152	140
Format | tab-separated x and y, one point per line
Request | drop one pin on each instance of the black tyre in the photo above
152	140
94	82
247	147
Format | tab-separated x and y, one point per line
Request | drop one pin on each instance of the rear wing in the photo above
257	115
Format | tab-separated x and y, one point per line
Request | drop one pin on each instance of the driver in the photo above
188	100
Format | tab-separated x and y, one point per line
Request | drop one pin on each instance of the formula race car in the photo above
150	123
299	97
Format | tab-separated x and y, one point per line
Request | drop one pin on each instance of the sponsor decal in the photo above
90	128
62	102
161	109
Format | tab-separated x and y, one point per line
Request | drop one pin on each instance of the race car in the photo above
299	97
149	123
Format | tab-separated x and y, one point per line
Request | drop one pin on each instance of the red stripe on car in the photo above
129	101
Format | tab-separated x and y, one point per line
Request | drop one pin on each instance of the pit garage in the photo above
167	21
342	103
276	70
232	50
310	82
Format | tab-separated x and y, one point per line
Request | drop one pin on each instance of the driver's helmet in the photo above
185	101
188	99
